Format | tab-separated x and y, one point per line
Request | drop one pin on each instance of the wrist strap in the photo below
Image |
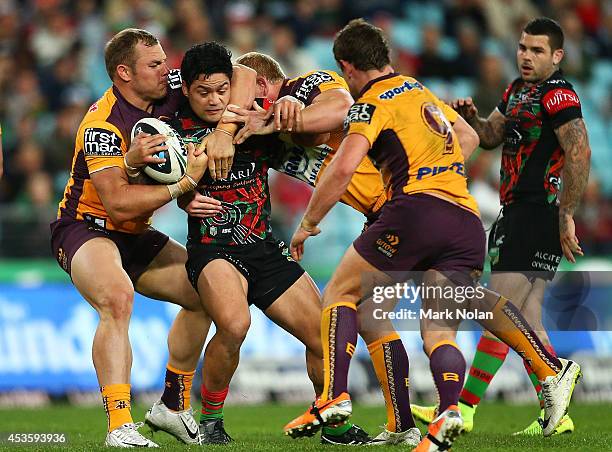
184	185
307	225
130	170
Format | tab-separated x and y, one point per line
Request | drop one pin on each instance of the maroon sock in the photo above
339	333
448	369
400	366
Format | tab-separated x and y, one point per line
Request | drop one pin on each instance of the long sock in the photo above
509	325
116	401
448	369
339	337
212	403
489	357
390	362
177	390
534	379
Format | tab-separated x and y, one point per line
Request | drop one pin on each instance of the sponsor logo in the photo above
360	113
241	173
427	171
388	243
174	79
303	163
93	107
102	143
193	433
545	261
310	83
285	252
450	376
62	258
404	87
99	222
559	99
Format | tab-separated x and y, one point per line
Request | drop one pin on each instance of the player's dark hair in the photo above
363	45
548	27
206	59
120	48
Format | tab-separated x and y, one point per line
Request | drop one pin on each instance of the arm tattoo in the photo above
574	141
490	131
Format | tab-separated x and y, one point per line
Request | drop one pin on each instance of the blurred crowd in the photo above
52	69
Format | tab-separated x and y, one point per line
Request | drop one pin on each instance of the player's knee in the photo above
235	332
116	304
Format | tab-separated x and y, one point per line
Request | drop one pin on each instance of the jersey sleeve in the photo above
503	103
103	145
367	119
561	104
309	86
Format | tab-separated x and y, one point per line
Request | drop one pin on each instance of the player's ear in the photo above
124	72
557	56
184	88
262	86
345	67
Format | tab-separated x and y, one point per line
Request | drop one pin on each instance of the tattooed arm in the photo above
573	139
490	130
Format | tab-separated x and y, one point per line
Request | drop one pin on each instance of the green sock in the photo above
338	430
490	355
212	404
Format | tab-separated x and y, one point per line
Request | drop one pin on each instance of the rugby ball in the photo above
174	167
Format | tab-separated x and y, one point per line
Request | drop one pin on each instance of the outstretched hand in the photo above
299	237
569	242
465	107
256	121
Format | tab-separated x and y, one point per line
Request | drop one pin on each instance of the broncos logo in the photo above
438	124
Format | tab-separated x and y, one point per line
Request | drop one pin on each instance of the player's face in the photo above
208	96
150	72
535	59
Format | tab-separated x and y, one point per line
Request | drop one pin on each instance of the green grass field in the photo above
258	428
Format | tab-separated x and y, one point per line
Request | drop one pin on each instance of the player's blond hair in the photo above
264	65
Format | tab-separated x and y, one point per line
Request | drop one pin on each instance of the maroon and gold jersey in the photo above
411	138
532	158
365	192
101	142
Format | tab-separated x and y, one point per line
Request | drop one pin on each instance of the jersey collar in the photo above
189	120
376	80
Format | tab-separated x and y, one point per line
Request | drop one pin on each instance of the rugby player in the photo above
234	243
539	122
102	237
326	101
410	125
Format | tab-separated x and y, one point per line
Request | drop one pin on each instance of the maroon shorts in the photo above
421	232
136	250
